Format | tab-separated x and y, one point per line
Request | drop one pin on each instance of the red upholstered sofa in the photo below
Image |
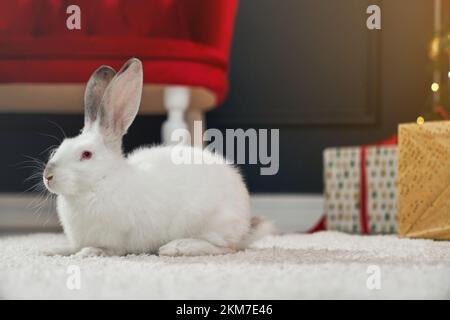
181	42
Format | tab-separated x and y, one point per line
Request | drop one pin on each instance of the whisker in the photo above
37	201
34	176
33	163
32	188
21	162
29	161
50	136
49	149
33	158
31	167
24	162
39	206
52	201
59	127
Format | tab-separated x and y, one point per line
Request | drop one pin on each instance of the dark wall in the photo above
308	67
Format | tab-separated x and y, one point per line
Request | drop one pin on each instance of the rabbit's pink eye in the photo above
86	155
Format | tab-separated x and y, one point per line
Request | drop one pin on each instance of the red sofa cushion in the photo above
180	42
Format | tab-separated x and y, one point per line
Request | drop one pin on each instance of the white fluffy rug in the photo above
322	265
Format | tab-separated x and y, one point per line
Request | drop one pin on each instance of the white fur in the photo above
144	202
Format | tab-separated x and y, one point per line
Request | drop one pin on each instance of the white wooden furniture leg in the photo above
176	101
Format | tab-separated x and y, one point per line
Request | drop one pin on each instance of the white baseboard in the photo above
289	212
27	212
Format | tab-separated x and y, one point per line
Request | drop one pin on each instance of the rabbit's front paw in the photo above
90	252
191	247
172	248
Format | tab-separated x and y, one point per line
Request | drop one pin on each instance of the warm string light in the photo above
435	87
420	120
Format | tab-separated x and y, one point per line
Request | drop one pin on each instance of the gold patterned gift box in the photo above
424	180
360	189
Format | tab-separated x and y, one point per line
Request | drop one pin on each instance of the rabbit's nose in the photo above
48	174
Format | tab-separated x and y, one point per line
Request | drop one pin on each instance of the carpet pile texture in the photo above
325	265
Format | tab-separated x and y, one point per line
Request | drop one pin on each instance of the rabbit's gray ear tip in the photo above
133	63
105	70
105	67
134	60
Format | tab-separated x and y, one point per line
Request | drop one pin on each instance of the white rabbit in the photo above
111	204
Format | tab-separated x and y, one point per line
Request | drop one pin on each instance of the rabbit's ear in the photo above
93	94
121	101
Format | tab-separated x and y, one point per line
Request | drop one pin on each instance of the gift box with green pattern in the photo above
360	189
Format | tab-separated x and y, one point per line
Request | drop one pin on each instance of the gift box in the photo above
360	188
424	180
